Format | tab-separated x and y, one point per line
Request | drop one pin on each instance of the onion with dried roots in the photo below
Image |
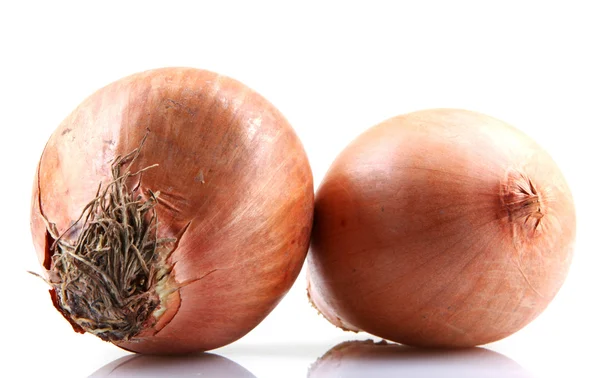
171	211
440	228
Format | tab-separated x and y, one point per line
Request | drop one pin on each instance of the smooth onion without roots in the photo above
171	211
440	228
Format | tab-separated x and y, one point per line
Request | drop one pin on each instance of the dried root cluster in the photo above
105	280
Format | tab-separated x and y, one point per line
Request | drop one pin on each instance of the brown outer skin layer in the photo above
413	241
231	170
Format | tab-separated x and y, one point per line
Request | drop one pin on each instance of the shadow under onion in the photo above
205	364
382	359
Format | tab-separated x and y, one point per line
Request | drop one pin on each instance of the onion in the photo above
440	228
171	211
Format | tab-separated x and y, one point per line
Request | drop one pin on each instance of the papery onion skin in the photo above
440	228
235	188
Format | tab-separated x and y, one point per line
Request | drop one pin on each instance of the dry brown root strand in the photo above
104	282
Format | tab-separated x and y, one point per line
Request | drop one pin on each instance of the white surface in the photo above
334	70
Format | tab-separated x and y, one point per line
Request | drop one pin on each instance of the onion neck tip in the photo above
522	201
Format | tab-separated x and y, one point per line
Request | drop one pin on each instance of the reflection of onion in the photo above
370	359
204	365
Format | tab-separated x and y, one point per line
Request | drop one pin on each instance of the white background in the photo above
334	69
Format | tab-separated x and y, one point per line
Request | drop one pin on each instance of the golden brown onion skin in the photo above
426	231
231	170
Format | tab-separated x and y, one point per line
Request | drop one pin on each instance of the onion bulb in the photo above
171	211
440	228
